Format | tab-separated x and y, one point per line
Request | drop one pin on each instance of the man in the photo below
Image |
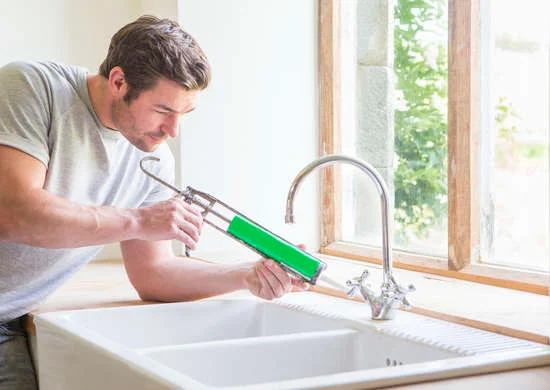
70	146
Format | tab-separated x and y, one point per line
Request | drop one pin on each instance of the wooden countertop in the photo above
105	284
97	284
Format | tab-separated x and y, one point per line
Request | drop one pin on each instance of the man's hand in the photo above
268	280
173	219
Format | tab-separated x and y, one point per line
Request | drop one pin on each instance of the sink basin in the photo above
284	358
302	341
196	322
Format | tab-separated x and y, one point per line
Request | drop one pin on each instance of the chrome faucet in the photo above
392	295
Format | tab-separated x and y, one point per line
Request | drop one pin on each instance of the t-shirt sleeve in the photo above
24	110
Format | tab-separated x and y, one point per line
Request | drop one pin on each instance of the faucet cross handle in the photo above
398	293
354	289
382	306
359	286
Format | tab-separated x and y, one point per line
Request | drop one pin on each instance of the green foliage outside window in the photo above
420	65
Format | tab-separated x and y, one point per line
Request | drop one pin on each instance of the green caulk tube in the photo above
290	257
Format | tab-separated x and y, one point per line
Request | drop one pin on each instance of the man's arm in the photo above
158	275
31	215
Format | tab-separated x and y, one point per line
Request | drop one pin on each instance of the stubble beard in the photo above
125	123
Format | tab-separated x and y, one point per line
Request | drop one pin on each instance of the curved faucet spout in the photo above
380	186
392	294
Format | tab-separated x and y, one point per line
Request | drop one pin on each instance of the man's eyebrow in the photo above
169	109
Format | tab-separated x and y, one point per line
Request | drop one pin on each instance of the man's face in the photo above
154	115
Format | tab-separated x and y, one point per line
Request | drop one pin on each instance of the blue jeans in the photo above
16	367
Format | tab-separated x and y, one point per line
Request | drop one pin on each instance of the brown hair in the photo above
151	48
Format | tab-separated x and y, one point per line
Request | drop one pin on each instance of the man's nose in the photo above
171	125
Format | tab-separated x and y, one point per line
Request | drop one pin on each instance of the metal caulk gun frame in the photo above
207	202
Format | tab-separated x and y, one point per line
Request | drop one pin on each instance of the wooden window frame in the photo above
463	144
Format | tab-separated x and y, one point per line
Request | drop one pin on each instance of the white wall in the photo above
62	30
256	125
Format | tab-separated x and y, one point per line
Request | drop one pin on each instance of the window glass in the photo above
514	142
420	178
411	152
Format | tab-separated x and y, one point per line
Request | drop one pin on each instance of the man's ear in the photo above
117	82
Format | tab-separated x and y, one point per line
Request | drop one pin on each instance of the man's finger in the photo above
265	288
280	274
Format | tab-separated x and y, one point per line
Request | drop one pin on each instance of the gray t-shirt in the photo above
45	111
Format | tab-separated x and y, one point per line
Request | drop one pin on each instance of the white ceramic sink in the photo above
197	322
282	358
302	341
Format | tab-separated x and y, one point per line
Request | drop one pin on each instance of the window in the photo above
514	148
449	101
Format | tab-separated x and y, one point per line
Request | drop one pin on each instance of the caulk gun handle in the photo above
187	250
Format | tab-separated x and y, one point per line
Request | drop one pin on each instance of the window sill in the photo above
529	281
496	309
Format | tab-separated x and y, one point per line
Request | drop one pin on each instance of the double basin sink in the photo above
302	341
